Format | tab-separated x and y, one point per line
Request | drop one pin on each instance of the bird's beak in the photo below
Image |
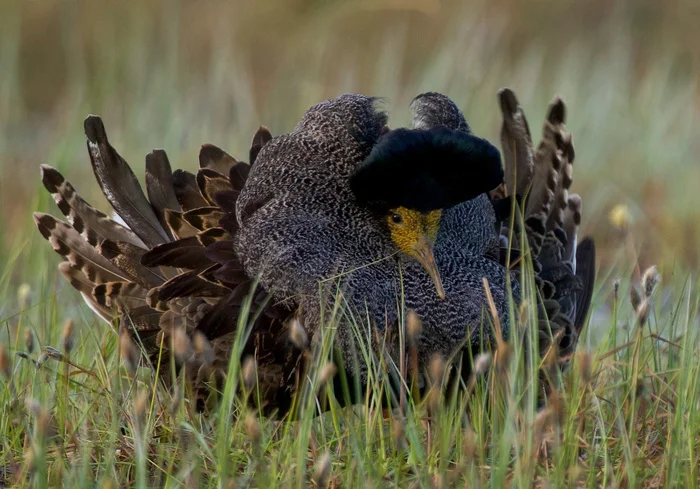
424	255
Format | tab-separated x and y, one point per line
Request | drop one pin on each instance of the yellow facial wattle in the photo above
414	233
409	226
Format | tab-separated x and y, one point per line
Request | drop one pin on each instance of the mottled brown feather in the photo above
187	191
92	224
159	186
215	158
82	284
210	183
127	257
68	243
178	225
261	138
185	253
516	145
203	218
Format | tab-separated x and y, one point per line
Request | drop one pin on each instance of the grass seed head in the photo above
33	406
202	348
635	298
437	370
29	462
29	341
128	351
543	421
185	438
249	371
482	363
181	344
23	293
502	356
252	428
642	389
650	281
322	470
439	481
203	377
434	397
643	312
326	374
68	336
298	335
557	406
583	365
5	364
53	353
414	327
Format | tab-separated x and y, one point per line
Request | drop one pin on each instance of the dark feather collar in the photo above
426	170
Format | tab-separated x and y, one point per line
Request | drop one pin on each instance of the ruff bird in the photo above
342	211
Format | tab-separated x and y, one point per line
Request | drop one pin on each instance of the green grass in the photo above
626	416
178	76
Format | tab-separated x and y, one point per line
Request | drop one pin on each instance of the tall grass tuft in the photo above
80	409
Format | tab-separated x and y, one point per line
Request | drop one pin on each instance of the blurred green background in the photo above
179	74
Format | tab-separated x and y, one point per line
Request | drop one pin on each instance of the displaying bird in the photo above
340	211
340	197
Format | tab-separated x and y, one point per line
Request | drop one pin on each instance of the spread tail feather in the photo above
120	186
540	180
172	265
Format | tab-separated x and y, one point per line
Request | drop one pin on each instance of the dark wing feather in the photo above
187	191
178	225
585	271
210	183
188	284
215	158
212	235
238	175
159	186
516	145
127	258
261	138
564	268
184	253
221	252
120	186
203	218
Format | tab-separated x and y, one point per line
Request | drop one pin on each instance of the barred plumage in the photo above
310	217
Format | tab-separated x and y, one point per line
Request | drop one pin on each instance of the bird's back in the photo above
299	223
186	261
304	234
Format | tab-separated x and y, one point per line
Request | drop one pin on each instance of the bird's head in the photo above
411	175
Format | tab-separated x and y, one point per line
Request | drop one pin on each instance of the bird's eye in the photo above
396	218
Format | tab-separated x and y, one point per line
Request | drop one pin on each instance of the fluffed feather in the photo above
120	186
